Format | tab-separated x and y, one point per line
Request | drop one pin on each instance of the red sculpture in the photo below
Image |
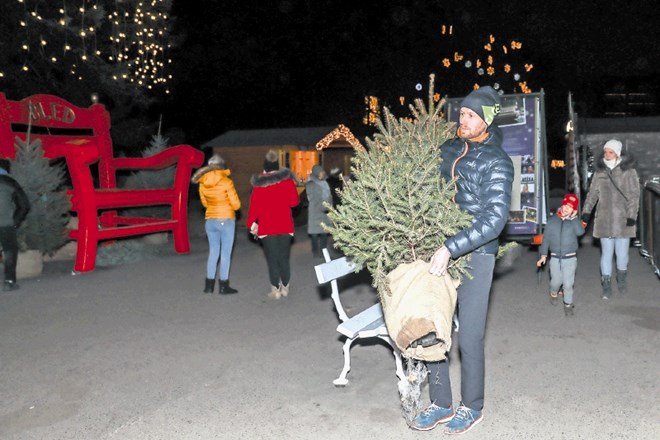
82	137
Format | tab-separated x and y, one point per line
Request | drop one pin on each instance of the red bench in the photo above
82	137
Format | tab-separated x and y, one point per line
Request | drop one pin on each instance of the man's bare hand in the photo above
440	262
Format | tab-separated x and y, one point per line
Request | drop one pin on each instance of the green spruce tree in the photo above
45	227
149	178
146	178
399	209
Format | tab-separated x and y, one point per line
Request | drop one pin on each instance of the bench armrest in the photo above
180	155
78	157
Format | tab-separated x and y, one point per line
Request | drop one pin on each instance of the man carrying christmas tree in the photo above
14	206
483	175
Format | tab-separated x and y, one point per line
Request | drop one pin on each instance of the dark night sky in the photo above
310	62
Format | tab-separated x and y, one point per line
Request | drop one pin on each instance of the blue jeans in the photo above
610	246
473	296
562	272
220	233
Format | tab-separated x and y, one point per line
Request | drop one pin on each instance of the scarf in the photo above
612	163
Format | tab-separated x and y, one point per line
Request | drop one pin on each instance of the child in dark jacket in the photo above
561	239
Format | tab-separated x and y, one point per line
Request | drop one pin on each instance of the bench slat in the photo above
130	230
334	269
369	319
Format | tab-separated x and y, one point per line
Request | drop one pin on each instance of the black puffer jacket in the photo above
14	204
484	175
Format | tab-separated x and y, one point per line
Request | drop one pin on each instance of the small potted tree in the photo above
44	230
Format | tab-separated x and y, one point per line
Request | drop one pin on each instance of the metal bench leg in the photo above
341	380
399	365
397	357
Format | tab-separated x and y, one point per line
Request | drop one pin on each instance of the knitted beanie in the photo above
271	162
571	200
485	102
614	145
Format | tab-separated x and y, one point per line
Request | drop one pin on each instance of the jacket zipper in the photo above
453	168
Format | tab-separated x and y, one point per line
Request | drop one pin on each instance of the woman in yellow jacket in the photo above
218	195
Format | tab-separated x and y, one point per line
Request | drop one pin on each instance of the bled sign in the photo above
51	112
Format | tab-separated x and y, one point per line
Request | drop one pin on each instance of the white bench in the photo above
367	324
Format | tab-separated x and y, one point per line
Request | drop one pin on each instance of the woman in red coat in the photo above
269	217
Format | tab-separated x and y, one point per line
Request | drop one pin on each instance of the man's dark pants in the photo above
473	297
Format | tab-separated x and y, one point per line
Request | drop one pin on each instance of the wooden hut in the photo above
299	149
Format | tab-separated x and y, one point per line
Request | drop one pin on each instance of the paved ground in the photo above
138	352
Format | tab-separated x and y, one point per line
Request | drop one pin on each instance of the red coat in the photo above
273	196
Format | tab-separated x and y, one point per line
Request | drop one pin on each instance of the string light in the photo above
131	36
373	110
340	132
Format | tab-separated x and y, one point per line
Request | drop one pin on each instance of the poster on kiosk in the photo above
521	120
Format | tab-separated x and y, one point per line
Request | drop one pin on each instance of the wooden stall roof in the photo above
338	134
301	136
640	124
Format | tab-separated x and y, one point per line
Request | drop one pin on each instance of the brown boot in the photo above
274	292
284	290
553	298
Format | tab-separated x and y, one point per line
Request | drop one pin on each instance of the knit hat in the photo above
485	102
316	170
571	200
614	145
271	162
216	159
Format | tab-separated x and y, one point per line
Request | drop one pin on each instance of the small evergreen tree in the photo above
45	227
149	178
399	209
153	178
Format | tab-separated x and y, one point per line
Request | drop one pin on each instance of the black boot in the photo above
621	280
9	286
209	286
606	282
568	309
224	288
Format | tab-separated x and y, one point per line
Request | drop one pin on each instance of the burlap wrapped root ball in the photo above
419	303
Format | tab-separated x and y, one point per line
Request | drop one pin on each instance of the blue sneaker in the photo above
464	420
432	417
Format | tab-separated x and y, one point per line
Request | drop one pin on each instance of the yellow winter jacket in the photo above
218	195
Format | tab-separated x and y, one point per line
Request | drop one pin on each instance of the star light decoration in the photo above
130	36
491	61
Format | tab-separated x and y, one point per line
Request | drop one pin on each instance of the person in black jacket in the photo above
14	206
484	177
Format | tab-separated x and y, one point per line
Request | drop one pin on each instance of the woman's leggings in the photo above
278	249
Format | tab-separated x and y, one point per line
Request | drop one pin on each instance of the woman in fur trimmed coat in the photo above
614	192
274	193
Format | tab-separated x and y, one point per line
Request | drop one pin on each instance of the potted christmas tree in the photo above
44	230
